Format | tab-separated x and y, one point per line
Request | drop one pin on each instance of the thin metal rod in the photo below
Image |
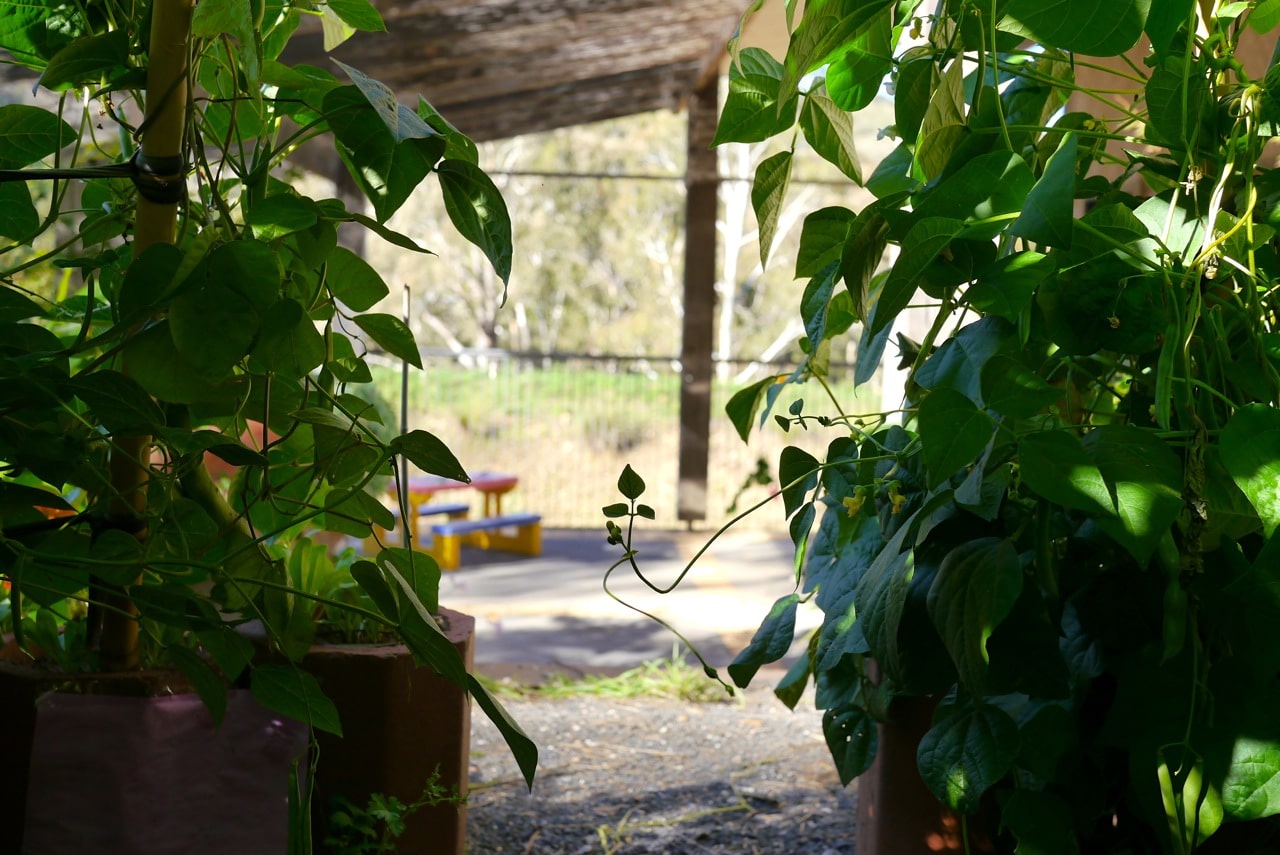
403	462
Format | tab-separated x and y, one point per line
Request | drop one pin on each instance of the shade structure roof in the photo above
502	68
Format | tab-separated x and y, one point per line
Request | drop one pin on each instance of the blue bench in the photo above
513	532
453	511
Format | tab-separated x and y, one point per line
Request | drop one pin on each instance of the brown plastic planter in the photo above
399	722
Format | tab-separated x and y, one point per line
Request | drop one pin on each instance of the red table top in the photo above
483	481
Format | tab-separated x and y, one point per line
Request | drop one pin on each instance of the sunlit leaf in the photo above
1006	288
768	191
984	193
402	123
1265	16
234	18
829	129
822	34
751	112
417	570
1250	450
1144	479
458	146
334	30
969	749
1252	786
943	124
388	157
23	33
476	207
854	79
360	14
1054	465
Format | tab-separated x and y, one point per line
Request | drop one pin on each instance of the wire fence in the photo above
568	424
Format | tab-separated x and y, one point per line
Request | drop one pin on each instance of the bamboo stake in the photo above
156	222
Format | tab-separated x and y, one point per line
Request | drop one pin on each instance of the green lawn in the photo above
567	429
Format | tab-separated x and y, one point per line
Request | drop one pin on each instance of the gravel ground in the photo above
631	776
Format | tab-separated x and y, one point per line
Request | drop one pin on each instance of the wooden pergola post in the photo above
702	181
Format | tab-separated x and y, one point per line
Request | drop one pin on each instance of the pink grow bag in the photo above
145	776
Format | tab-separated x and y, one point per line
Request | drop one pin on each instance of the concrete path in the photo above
551	613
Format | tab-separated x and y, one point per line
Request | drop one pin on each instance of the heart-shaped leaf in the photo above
290	691
953	433
769	644
478	212
1054	465
975	589
427	452
967	751
853	737
1250	450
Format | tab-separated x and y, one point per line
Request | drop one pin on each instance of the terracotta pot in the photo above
123	764
399	723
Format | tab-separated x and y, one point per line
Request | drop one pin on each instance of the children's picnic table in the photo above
493	485
494	530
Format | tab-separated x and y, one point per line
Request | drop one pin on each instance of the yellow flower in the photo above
854	503
896	497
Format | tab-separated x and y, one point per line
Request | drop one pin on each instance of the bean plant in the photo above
1065	535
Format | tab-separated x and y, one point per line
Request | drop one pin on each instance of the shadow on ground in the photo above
649	775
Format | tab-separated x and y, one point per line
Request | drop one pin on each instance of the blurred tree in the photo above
599	218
